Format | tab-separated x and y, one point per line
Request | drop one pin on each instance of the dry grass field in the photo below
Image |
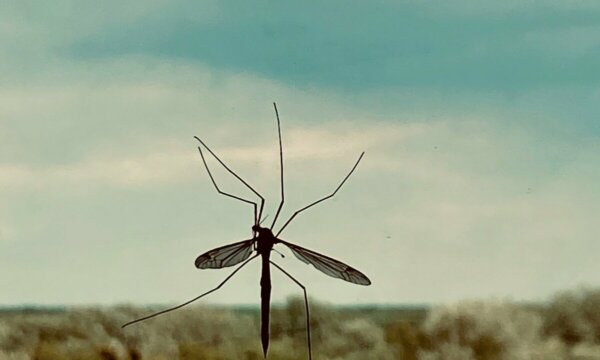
567	326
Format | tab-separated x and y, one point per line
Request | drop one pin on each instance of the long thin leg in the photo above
222	192
305	305
262	199
192	300
322	199
280	166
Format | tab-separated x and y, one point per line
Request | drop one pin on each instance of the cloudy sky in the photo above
479	120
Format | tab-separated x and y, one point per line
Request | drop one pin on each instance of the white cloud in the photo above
151	169
169	162
7	233
135	127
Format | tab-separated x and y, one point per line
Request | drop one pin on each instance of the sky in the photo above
479	120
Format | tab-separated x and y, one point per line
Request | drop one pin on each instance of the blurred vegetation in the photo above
566	327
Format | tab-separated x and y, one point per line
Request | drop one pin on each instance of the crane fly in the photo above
261	244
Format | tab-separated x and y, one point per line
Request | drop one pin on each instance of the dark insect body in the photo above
262	243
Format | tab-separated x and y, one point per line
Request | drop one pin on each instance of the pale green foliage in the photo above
575	316
487	330
568	327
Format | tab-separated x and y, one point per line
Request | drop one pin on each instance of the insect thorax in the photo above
265	239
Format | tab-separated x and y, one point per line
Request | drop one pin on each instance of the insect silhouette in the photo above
262	243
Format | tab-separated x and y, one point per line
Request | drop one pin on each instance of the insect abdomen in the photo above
265	302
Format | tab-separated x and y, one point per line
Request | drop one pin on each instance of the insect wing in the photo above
328	265
225	256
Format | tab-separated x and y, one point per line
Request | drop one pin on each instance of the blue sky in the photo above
479	119
360	46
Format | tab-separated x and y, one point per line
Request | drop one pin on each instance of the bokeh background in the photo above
479	120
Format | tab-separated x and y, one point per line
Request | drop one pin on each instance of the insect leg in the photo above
192	300
305	305
212	179
280	166
324	198
262	199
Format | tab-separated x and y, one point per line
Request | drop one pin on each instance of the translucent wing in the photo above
225	256
328	265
